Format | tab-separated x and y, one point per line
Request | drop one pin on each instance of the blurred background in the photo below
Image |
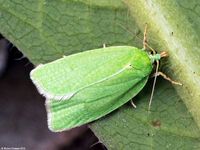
23	120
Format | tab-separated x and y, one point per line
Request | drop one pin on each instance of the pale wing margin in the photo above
47	94
86	112
70	95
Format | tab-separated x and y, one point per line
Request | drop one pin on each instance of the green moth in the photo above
83	87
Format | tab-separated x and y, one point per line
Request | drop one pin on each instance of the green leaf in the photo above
168	126
175	26
47	30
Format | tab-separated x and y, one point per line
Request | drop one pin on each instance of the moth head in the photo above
157	57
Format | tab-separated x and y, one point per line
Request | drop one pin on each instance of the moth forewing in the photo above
62	78
91	84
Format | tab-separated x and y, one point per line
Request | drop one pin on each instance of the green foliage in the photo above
175	24
46	30
168	126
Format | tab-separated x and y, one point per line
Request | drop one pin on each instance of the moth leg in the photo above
133	104
145	42
166	78
145	37
94	144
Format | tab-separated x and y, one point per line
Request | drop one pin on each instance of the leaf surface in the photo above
47	30
174	26
169	125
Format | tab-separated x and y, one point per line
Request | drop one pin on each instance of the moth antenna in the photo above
145	42
145	37
136	35
154	83
129	31
154	52
94	144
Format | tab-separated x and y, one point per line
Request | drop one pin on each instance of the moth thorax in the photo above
155	57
